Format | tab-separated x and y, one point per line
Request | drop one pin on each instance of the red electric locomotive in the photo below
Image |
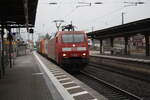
69	49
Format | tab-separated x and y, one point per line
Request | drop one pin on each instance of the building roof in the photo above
18	12
140	26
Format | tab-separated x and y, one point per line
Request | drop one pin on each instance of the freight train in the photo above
69	49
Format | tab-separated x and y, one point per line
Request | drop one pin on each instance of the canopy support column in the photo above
101	46
147	46
112	45
126	45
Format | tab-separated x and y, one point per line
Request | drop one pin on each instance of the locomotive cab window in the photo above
73	38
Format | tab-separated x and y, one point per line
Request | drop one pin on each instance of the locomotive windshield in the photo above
72	38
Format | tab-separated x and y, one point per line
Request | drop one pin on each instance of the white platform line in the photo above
37	73
79	93
95	99
60	76
63	79
67	83
63	92
132	59
73	87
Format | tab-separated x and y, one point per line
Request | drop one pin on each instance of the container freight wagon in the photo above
42	48
46	47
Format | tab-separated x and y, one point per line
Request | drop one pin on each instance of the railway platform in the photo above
24	81
35	78
140	59
138	66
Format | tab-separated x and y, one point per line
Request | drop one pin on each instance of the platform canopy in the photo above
18	13
129	29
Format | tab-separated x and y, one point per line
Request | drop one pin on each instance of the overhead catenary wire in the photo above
104	16
74	9
68	14
112	12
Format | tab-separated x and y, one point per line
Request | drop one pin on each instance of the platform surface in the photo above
68	86
24	81
33	77
143	59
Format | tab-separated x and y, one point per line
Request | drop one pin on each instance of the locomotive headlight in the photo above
73	45
84	54
64	55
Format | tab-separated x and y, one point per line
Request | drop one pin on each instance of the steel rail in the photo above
113	86
121	71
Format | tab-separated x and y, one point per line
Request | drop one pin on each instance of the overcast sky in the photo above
84	18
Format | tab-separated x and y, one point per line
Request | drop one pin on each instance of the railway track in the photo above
111	91
134	70
135	75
